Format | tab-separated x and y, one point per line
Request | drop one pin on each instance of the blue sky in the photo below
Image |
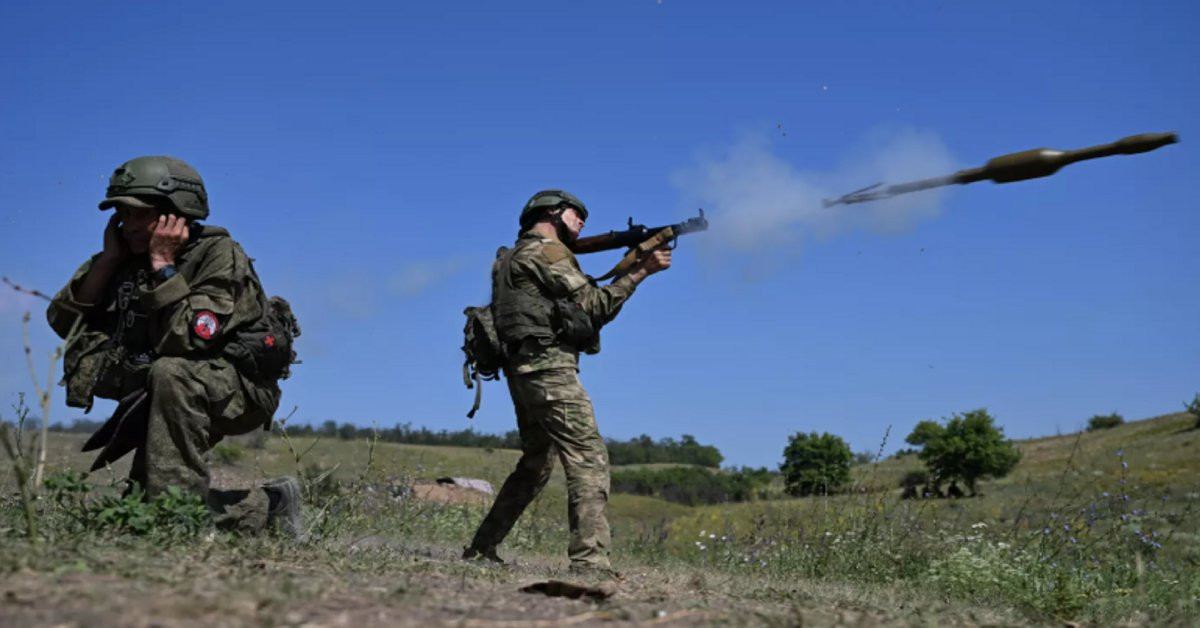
371	158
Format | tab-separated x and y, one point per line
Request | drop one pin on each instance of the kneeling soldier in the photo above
160	318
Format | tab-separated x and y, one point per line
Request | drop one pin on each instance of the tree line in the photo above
639	450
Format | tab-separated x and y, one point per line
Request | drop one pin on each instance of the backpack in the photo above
484	354
264	350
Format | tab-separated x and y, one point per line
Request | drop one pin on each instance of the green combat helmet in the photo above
167	178
550	199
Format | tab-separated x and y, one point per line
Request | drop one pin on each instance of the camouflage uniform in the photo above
554	413
166	338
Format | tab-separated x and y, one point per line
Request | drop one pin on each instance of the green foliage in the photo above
640	450
1104	421
815	465
172	513
643	450
692	485
969	447
228	453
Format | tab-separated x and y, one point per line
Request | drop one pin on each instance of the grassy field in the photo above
1100	528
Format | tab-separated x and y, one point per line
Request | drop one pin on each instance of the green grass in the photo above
1022	551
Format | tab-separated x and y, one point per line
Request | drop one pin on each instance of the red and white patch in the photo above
205	324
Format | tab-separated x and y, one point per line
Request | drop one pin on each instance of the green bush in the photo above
1104	421
969	447
815	465
693	486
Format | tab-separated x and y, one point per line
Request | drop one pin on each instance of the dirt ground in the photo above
375	581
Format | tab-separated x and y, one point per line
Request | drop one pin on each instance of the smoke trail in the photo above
758	200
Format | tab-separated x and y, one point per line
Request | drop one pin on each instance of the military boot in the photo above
284	511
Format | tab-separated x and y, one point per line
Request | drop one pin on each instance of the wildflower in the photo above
1120	452
1105	493
1071	539
979	525
702	533
1124	465
712	536
1054	515
1156	545
1066	527
1046	531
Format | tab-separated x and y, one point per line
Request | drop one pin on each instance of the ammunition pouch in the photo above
93	367
574	327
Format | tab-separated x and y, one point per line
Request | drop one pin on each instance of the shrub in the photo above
692	485
968	447
1104	421
815	464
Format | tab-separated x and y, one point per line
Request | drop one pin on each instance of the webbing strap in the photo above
478	396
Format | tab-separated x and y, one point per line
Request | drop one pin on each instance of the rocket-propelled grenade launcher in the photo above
639	239
1029	164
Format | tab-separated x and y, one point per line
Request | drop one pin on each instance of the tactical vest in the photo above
519	313
527	312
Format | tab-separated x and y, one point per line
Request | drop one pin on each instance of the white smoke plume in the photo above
415	277
756	199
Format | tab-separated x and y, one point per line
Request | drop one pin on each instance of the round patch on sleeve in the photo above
205	324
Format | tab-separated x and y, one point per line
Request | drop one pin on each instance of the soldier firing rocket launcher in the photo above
1029	164
639	239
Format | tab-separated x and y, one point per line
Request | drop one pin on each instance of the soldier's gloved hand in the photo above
167	236
115	248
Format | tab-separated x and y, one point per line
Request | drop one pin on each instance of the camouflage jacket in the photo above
137	319
545	268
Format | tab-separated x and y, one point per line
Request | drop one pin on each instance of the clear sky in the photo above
372	156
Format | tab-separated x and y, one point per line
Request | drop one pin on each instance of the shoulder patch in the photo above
555	252
205	324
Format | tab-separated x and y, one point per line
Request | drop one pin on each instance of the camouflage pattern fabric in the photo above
542	267
554	414
166	337
555	419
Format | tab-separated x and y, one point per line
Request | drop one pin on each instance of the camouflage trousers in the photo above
555	418
193	405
